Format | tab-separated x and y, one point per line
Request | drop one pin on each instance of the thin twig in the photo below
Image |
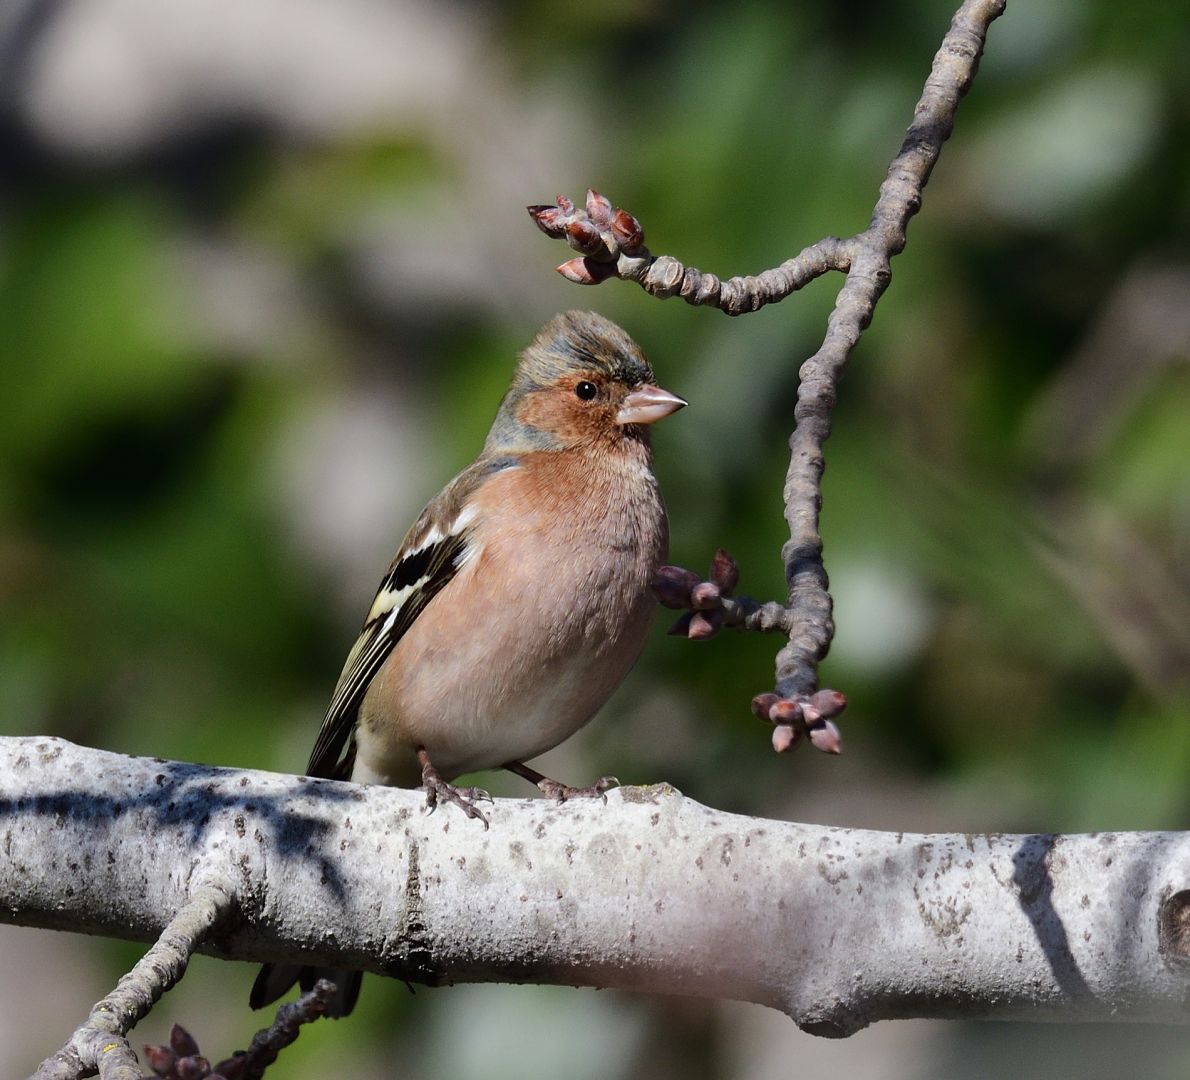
99	1044
954	68
611	244
269	1042
664	276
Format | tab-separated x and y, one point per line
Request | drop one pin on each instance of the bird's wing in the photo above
430	556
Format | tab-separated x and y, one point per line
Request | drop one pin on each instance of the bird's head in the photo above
581	382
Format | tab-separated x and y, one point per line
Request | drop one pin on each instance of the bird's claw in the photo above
440	791
562	792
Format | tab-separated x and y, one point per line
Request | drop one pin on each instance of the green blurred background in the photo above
264	270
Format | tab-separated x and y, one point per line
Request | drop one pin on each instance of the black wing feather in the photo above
429	568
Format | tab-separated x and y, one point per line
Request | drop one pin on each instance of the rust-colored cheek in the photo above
541	411
562	415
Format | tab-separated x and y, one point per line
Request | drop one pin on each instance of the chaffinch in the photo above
518	600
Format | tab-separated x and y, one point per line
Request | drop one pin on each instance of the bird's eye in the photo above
586	391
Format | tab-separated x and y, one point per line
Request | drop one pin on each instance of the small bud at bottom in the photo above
584	271
704	625
785	738
825	737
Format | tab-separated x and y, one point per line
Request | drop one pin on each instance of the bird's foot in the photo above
562	792
441	791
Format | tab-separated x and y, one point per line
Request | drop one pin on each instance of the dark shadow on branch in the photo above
184	800
1035	889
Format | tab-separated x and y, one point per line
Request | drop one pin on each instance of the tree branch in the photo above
99	1044
610	243
835	927
953	70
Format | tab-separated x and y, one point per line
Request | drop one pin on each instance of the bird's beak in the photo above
647	404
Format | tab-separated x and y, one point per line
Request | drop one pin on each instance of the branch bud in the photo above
232	1068
585	271
599	208
704	625
786	711
829	702
564	204
672	586
825	737
762	703
705	596
785	738
583	237
627	231
194	1067
725	572
551	220
160	1058
182	1042
681	627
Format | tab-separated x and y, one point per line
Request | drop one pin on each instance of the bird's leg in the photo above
438	790
562	792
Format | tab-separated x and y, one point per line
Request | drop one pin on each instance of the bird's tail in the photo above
275	979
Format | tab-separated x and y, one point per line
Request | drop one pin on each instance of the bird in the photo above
518	600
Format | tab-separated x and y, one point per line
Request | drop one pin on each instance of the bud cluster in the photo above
807	715
679	588
181	1060
600	233
712	604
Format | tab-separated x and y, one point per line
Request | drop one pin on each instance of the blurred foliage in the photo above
241	348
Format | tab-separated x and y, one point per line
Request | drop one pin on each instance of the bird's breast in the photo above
544	619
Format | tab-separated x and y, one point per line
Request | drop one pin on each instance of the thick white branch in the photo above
836	927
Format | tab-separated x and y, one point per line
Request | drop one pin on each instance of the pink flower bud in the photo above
825	737
785	738
627	231
762	703
672	585
785	711
725	572
549	219
704	596
599	208
704	625
564	204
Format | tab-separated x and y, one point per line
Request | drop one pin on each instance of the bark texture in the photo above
835	927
